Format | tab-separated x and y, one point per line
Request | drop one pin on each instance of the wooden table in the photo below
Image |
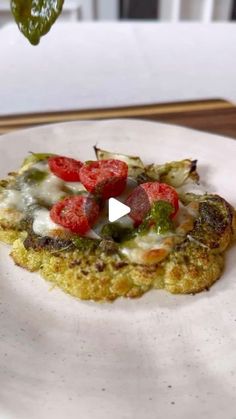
216	116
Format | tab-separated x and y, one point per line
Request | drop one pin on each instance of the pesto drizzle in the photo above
158	218
35	17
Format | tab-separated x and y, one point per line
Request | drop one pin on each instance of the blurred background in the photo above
110	54
163	10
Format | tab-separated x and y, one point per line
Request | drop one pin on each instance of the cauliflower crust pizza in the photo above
54	213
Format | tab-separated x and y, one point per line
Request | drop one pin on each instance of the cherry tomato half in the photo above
144	195
65	168
77	213
104	178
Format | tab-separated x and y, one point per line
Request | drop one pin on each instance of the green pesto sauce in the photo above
117	232
35	17
83	243
34	176
158	218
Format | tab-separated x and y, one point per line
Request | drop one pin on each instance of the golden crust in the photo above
86	276
192	269
188	270
9	225
9	236
9	218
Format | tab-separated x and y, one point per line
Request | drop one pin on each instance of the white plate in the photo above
160	356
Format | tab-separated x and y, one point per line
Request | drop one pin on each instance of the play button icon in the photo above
116	210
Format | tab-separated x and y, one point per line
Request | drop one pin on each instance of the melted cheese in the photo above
75	186
12	199
48	191
192	187
153	247
140	249
42	224
41	165
185	213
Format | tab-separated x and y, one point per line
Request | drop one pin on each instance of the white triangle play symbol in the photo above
116	209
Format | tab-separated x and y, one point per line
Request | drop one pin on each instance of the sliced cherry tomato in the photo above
142	197
65	168
77	213
104	178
